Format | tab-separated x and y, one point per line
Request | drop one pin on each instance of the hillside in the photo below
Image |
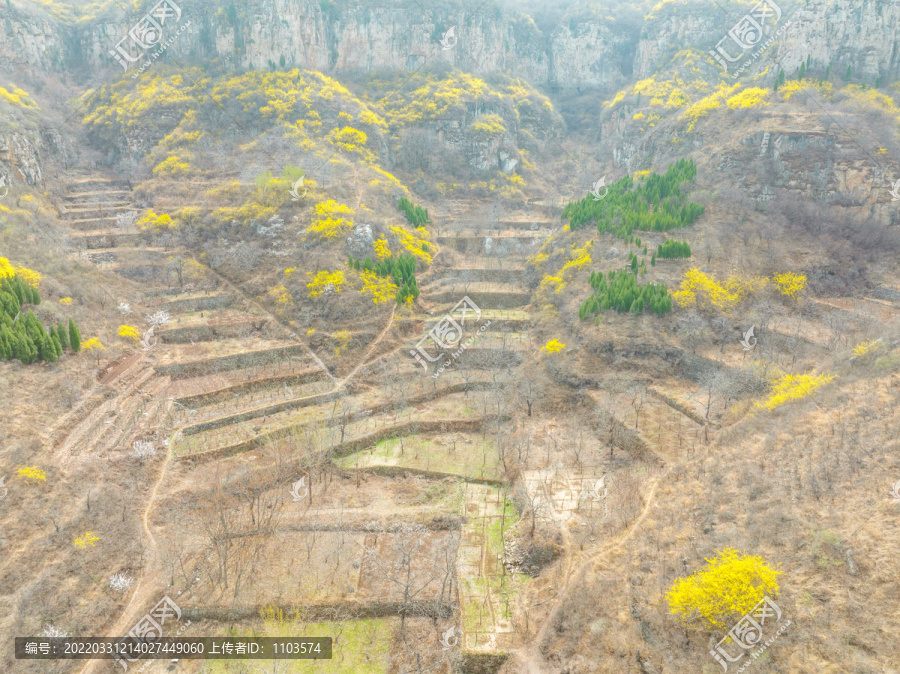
515	337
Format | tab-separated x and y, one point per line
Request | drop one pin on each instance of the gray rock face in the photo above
360	244
488	245
611	254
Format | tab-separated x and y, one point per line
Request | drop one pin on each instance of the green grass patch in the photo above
473	456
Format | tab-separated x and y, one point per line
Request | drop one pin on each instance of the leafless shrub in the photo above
144	450
50	631
120	582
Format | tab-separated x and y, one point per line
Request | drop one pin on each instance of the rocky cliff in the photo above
579	51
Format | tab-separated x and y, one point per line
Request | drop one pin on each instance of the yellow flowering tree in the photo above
752	97
725	589
865	348
94	345
282	297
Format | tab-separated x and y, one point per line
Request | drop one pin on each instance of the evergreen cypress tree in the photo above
74	336
63	335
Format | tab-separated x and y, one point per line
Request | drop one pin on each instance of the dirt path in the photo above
531	655
146	583
266	312
371	348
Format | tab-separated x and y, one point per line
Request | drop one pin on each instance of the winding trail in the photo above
531	655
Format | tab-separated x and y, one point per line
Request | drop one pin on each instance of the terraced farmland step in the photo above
476	275
199	302
213	331
485	299
233	439
95	197
105	211
181	370
90	224
97	185
450	237
254	383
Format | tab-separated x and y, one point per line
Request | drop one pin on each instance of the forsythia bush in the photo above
129	331
553	346
93	343
382	289
343	338
790	285
321	280
32	474
696	284
282	297
155	222
752	97
865	347
716	596
794	387
381	249
330	223
87	539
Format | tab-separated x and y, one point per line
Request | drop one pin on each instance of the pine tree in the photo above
849	73
74	336
802	71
